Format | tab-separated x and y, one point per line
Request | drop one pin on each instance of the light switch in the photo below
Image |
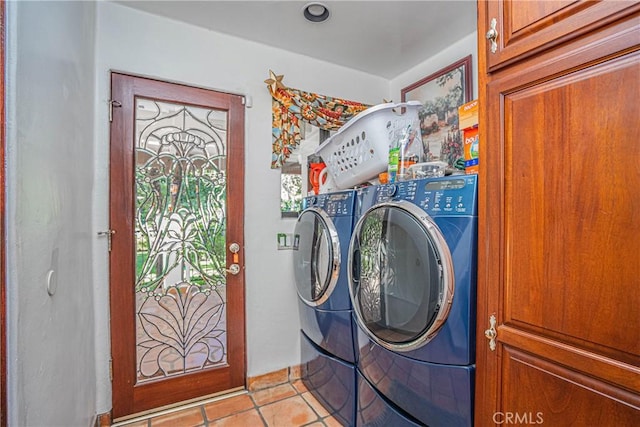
285	241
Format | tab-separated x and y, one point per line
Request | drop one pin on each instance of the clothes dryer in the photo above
321	243
412	267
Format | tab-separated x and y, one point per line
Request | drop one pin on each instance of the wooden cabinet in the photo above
559	225
525	28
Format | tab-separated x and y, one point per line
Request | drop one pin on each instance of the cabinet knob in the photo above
492	35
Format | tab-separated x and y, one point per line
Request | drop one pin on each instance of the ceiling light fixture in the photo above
316	12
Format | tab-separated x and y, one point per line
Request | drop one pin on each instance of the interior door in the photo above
176	210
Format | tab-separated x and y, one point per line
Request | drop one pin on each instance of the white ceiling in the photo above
383	38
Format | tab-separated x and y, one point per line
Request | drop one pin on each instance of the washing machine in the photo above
321	243
412	281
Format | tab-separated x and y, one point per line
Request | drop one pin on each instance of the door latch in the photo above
234	248
492	35
491	333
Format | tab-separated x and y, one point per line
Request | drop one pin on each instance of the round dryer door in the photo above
400	275
316	256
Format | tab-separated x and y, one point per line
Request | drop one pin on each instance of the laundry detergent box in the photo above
471	144
468	121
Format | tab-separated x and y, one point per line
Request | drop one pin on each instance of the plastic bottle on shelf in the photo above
394	158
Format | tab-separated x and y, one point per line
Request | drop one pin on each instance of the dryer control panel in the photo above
449	195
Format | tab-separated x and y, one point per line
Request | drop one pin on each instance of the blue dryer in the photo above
321	243
412	267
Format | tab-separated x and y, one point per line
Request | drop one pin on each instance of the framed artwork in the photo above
441	94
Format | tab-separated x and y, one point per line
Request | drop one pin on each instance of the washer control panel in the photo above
334	204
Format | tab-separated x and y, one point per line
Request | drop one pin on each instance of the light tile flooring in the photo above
284	405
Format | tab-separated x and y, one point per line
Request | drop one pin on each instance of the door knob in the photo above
233	269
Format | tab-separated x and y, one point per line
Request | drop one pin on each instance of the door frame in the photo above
126	400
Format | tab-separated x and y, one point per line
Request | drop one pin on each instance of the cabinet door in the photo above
559	236
524	28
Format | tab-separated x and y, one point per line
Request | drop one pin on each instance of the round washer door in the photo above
400	276
316	256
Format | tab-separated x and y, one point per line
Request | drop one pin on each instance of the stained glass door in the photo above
177	287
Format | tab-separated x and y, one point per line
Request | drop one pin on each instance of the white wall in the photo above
139	43
57	186
50	79
458	50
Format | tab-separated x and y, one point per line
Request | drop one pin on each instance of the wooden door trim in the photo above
486	383
125	400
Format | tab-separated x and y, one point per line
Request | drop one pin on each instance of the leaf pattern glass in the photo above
179	238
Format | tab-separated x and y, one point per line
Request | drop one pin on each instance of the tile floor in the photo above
284	405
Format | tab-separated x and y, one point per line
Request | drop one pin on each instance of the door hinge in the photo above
113	103
110	369
108	234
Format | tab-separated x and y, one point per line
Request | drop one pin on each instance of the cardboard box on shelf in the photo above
468	120
471	143
468	115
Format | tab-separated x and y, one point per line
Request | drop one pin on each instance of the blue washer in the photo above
321	244
412	266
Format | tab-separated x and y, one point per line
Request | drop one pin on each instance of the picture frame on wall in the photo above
441	93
